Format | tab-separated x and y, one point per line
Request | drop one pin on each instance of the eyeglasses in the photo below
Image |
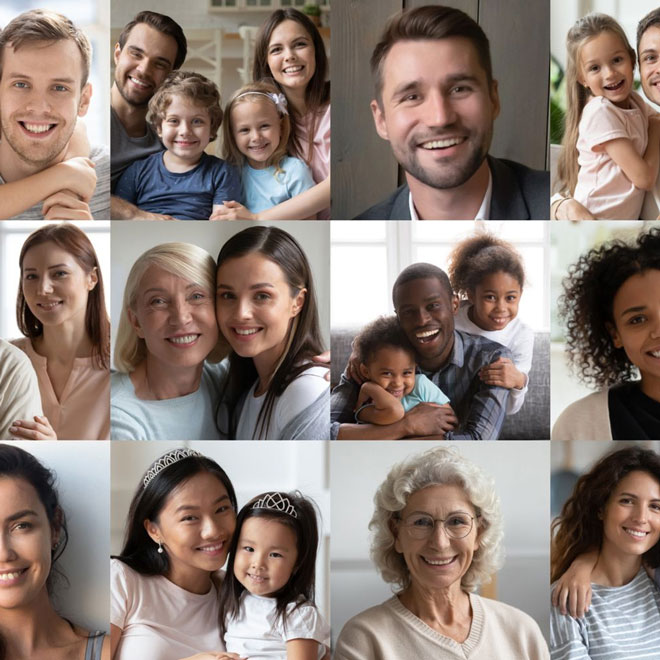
421	526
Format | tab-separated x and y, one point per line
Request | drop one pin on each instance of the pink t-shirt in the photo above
158	619
602	187
320	164
83	410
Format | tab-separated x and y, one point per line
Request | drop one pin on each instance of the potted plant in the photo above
314	13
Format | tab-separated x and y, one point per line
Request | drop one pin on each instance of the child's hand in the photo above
364	395
37	429
503	373
79	176
65	205
232	211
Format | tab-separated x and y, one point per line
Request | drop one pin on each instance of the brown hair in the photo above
45	25
255	92
163	24
430	22
652	19
476	257
579	527
577	95
317	93
97	324
193	86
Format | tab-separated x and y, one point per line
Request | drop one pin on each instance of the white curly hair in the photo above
437	466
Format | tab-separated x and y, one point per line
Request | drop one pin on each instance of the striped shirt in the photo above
480	408
622	623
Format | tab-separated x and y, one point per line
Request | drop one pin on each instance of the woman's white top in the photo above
258	634
301	394
623	623
158	619
516	336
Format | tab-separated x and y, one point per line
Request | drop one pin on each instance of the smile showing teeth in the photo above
37	128
293	69
14	575
211	548
638	534
256	578
244	333
614	86
47	307
184	339
655	354
443	144
439	562
426	335
138	83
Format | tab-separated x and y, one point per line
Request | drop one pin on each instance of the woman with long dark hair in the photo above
614	514
267	312
34	536
290	51
61	311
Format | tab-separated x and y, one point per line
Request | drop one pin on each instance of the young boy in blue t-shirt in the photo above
183	181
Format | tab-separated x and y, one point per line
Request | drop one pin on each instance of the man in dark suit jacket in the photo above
436	102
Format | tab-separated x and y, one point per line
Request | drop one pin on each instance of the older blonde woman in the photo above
166	386
437	531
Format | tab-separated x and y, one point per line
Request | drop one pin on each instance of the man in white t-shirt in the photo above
648	53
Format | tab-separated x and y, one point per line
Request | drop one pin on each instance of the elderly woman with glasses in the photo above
437	531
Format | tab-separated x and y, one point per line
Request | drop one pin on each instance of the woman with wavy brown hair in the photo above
61	311
612	517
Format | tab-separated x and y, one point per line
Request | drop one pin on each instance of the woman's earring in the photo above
160	548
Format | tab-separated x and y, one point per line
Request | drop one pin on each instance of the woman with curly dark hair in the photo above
612	516
611	303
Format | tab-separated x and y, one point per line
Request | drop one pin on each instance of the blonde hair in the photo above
254	93
191	86
577	95
184	260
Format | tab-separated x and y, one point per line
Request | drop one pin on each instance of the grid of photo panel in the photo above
268	395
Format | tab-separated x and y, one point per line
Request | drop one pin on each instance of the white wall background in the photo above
521	473
131	239
93	17
253	467
12	236
83	479
570	240
368	256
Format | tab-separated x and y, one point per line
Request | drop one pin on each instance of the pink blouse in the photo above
83	411
320	164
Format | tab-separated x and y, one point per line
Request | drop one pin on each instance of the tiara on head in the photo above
276	502
166	460
278	99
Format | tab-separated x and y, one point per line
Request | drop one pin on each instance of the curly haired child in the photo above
488	275
387	363
612	312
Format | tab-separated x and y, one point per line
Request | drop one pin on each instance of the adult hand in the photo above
571	596
502	373
353	368
79	176
429	419
65	205
232	211
568	209
220	655
38	428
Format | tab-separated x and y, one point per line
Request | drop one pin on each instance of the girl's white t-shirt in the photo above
158	619
258	634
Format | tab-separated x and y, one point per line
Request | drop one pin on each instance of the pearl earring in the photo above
160	548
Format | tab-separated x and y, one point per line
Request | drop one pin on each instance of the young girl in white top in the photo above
256	134
611	142
488	274
267	597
